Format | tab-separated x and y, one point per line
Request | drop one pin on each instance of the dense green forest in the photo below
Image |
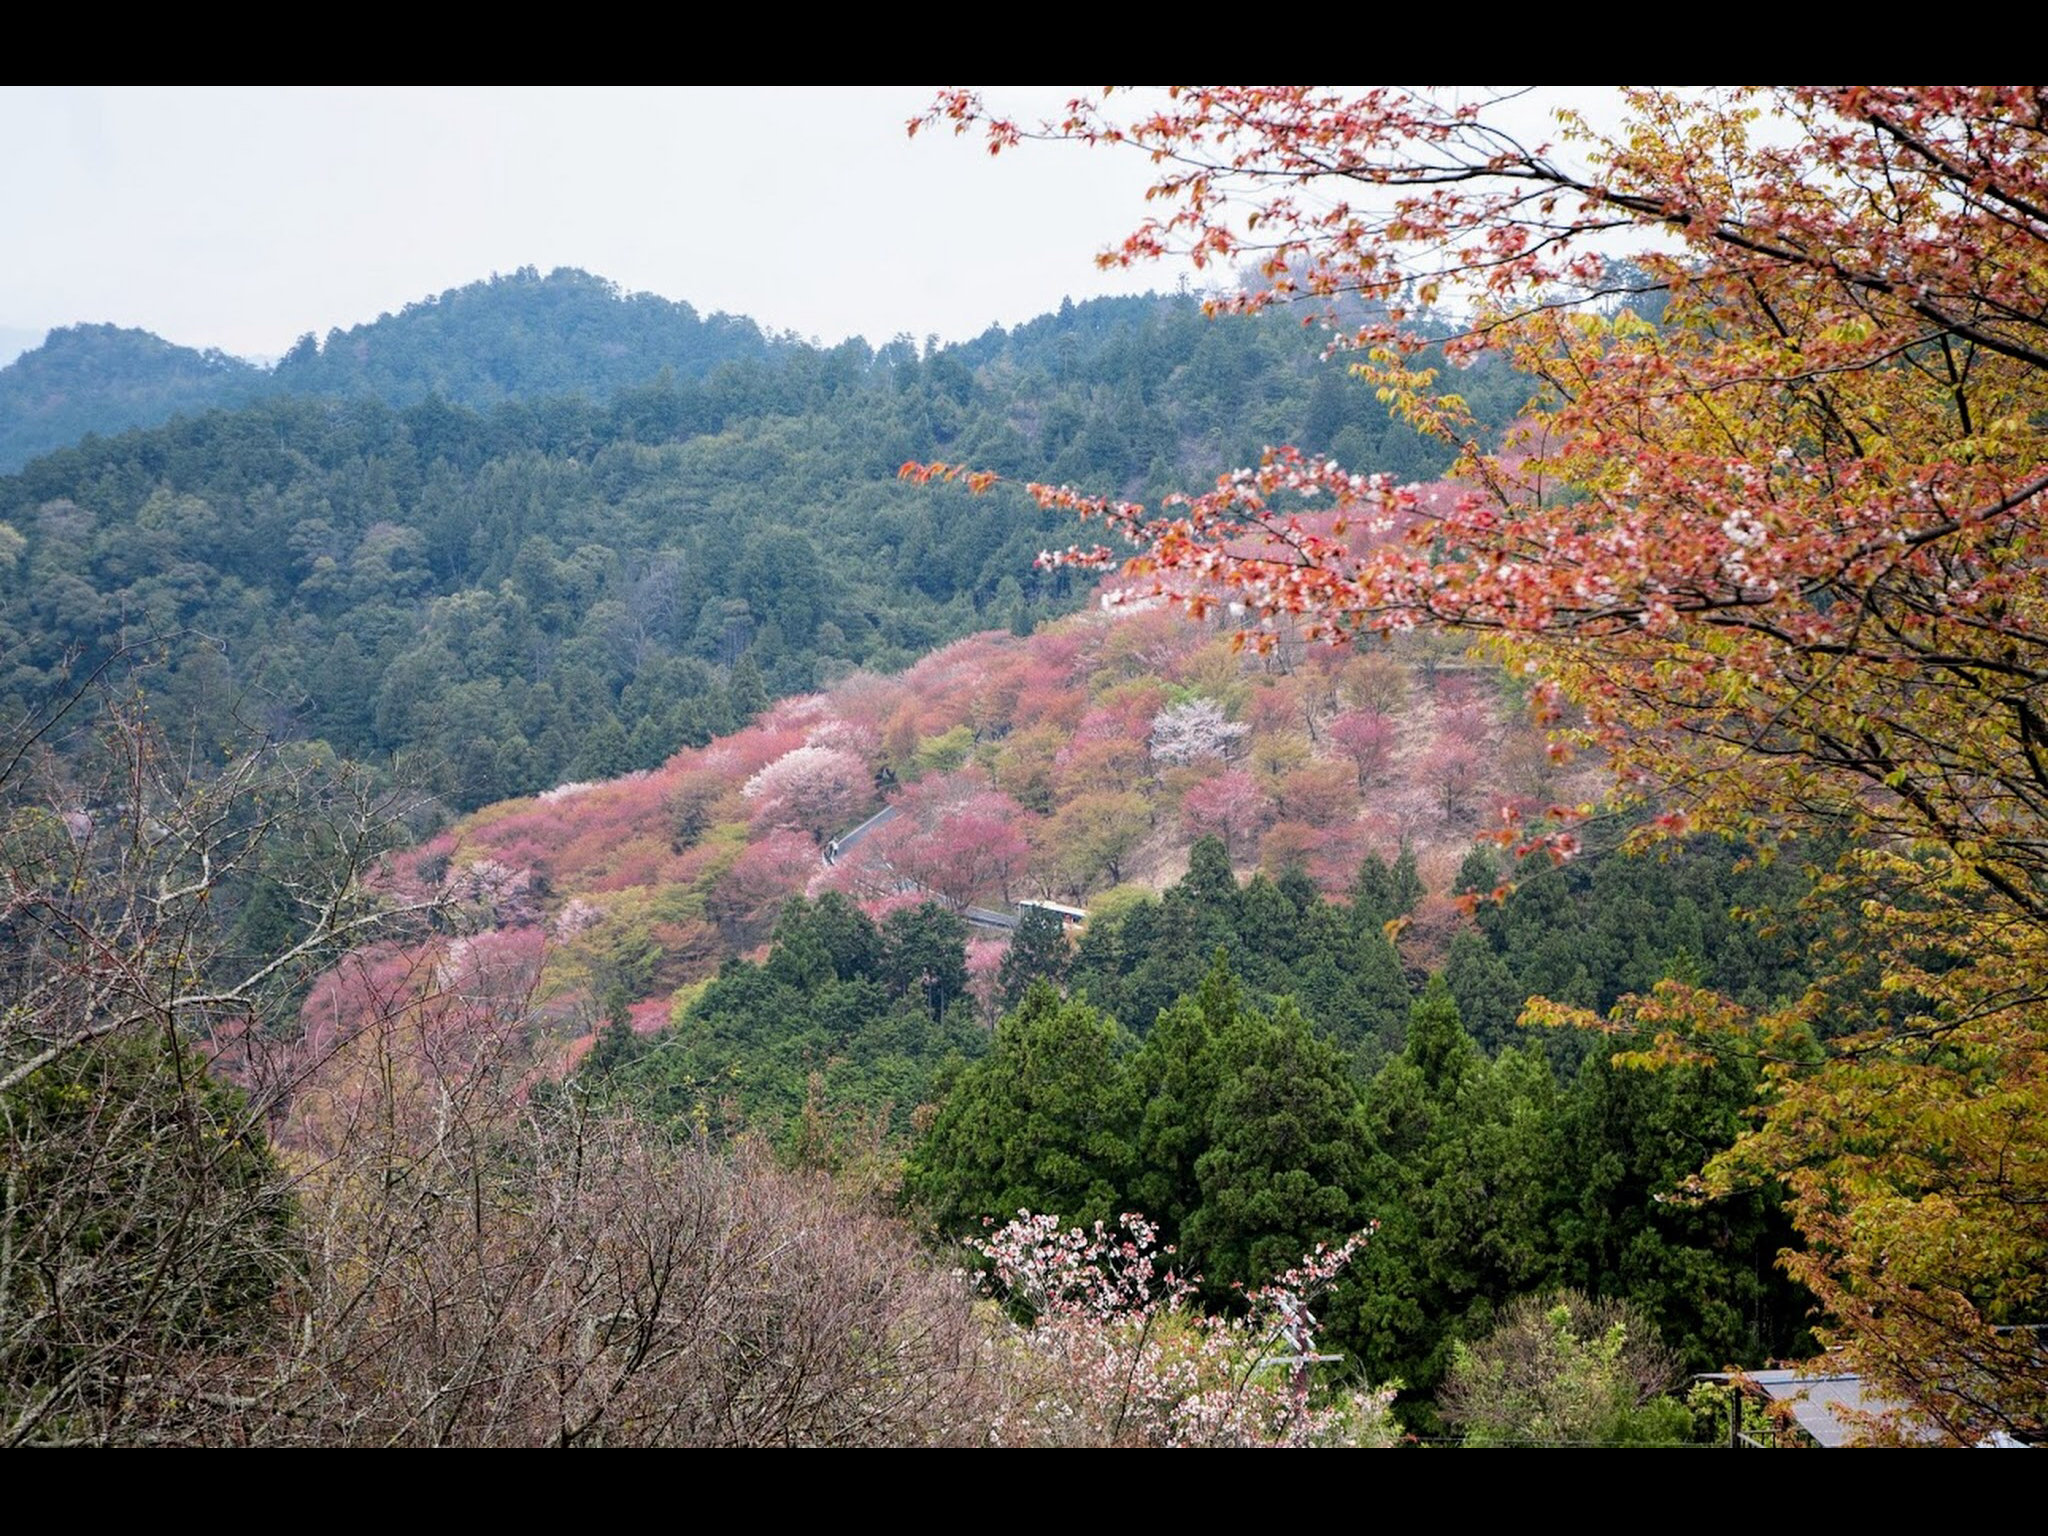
1248	1064
563	586
103	378
522	336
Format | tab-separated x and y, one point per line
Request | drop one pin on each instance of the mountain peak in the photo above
519	335
105	378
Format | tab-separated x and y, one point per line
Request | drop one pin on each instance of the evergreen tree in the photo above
606	753
1374	902
1174	1078
1167	949
924	954
1706	1274
747	689
1406	880
1464	1177
1285	1163
1381	997
1485	991
848	934
1041	1123
1478	874
1039	951
616	1044
1210	885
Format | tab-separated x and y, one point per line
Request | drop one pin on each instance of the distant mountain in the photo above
104	379
516	337
1137	387
520	336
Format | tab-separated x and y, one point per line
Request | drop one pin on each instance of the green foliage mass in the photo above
1283	1165
1039	1124
522	336
1039	950
1283	940
872	1011
1591	930
1262	1116
105	379
1467	1164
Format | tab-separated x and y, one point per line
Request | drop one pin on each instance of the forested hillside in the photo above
1080	763
521	336
103	378
515	336
647	592
572	872
574	586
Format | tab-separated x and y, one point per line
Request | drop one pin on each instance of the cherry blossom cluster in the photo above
1116	1350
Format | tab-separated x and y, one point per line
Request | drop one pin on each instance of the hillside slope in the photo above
1077	764
106	379
572	587
1104	759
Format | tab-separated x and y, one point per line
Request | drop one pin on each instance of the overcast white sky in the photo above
239	219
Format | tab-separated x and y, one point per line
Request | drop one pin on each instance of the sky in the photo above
240	219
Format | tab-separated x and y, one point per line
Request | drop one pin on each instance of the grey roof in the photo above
1817	1400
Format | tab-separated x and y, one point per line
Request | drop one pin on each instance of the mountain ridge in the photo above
102	378
510	336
